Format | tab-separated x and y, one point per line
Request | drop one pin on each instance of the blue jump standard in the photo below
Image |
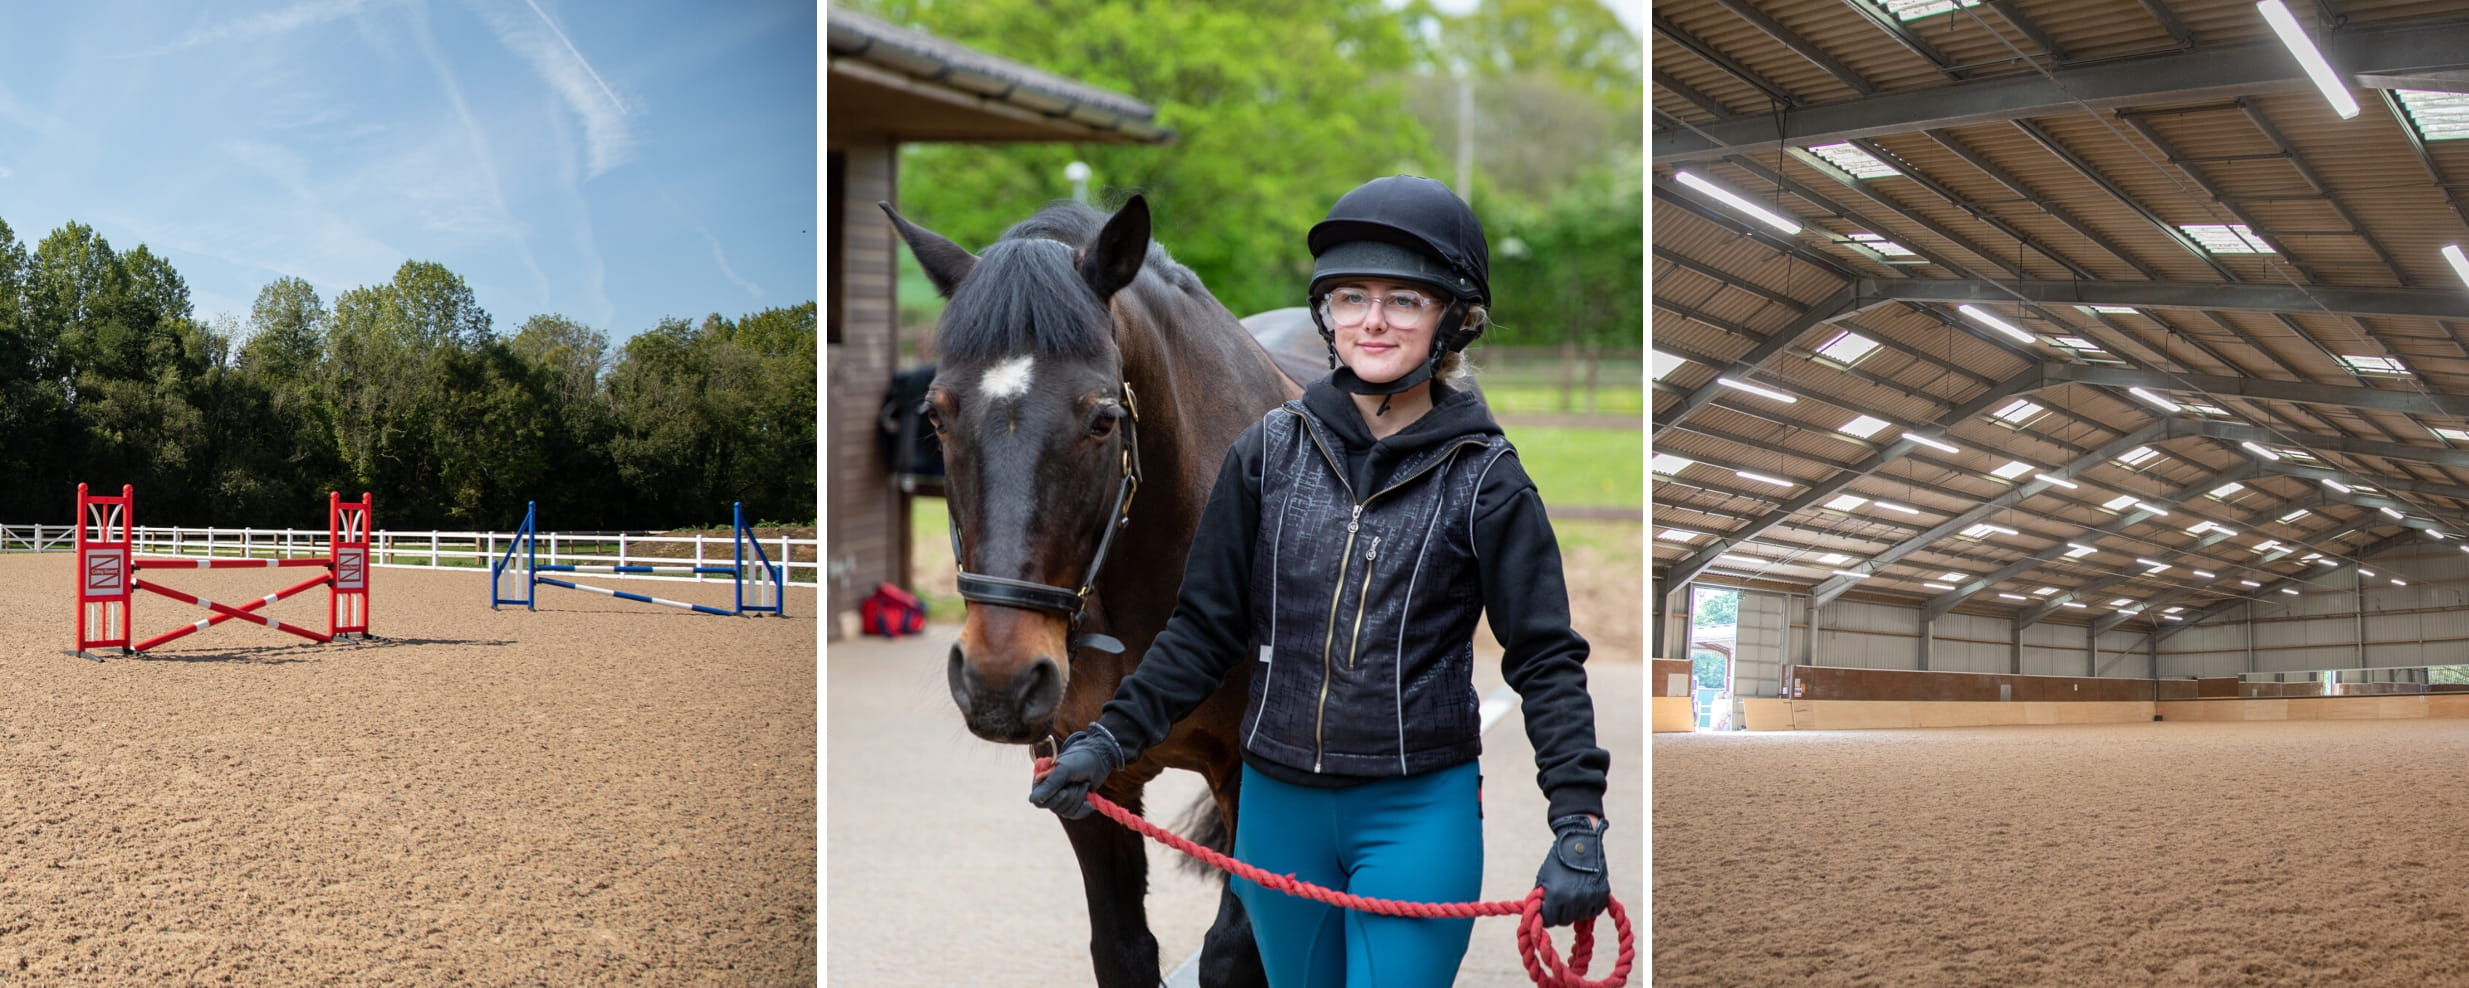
590	568
750	563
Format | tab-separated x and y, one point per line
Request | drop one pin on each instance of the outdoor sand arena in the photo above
2257	853
601	792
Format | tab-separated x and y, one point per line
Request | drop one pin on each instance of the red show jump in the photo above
107	577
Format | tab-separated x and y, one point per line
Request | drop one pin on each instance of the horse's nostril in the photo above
963	679
1039	689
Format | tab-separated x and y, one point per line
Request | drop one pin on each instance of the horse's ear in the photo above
946	263
1115	259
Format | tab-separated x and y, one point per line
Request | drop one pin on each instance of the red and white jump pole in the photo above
107	579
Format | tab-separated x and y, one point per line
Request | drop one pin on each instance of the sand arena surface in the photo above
2151	854
601	792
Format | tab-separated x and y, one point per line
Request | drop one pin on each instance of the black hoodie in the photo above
1523	593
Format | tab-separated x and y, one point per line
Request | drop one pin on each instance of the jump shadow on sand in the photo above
288	654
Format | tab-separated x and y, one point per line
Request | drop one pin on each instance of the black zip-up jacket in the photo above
1371	664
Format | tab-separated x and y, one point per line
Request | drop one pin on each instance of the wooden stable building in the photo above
891	85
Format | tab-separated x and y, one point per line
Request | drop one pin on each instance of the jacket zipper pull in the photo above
1375	550
1355	518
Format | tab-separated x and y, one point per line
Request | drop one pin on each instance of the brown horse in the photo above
1087	388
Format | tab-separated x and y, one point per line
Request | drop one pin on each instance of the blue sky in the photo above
613	162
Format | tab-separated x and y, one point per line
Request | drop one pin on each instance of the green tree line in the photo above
1280	106
404	389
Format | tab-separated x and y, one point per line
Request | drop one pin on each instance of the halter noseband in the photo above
1022	594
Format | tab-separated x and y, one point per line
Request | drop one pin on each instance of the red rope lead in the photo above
1534	942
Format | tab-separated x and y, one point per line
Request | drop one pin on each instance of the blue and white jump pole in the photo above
757	580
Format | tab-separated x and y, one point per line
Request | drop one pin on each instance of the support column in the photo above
2014	649
1928	630
2091	651
2360	575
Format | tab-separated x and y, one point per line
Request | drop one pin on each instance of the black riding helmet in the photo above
1403	228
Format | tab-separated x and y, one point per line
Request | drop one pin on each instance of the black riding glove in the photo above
1575	884
1086	759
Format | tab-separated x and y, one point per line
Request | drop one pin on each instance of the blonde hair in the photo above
1455	370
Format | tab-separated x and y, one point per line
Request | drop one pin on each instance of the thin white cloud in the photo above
553	56
288	19
498	216
722	258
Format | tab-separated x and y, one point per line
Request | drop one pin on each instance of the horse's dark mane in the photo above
1025	296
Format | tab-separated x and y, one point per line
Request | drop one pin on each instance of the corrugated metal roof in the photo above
2088	181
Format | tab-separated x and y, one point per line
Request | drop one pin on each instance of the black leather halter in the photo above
1007	592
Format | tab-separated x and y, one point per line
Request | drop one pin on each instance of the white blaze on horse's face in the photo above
1009	379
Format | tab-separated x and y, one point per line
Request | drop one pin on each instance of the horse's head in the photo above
1029	401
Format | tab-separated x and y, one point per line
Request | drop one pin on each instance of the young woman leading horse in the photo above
1352	540
1087	387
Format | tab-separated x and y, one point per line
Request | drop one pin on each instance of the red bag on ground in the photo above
891	612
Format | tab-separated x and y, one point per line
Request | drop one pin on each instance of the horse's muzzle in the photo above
1016	710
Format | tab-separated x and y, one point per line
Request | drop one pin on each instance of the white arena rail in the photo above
468	551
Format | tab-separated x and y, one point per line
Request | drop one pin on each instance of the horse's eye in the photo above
1101	425
934	419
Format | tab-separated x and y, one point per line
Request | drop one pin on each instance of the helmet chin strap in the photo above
1344	377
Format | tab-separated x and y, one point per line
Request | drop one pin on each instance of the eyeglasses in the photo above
1350	306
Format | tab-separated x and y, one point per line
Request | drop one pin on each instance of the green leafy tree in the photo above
1277	107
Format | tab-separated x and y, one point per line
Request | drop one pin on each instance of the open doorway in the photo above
1714	617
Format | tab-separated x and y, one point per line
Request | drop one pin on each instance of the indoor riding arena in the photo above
2060	487
595	792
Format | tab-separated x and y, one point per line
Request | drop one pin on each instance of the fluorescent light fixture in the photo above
2200	408
2073	604
1983	317
2291	591
2044	591
2433	534
2363	571
2460	264
1833	559
2259	450
1756	390
2400	583
2285	25
2227	489
2114	309
2157	569
1764	479
2155	509
1854	161
1669	463
2310	557
2293	516
2171	617
1727	197
1852	573
1932	443
2012	470
2336	485
2079	551
2389	511
2120	602
2368	364
2438	116
2173	610
1847	348
2206	574
2150	562
1678	534
2200	527
2117	502
1938	586
2231	238
1847	502
1863	427
2056	480
2137	455
2327	562
2267	545
2012	596
1891	506
1666	363
2249	583
2153	400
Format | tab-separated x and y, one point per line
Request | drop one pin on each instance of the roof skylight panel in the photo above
1854	161
2017	412
2232	238
2438	116
1881	246
1670	463
1912	10
1847	348
2368	364
1863	427
1666	363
